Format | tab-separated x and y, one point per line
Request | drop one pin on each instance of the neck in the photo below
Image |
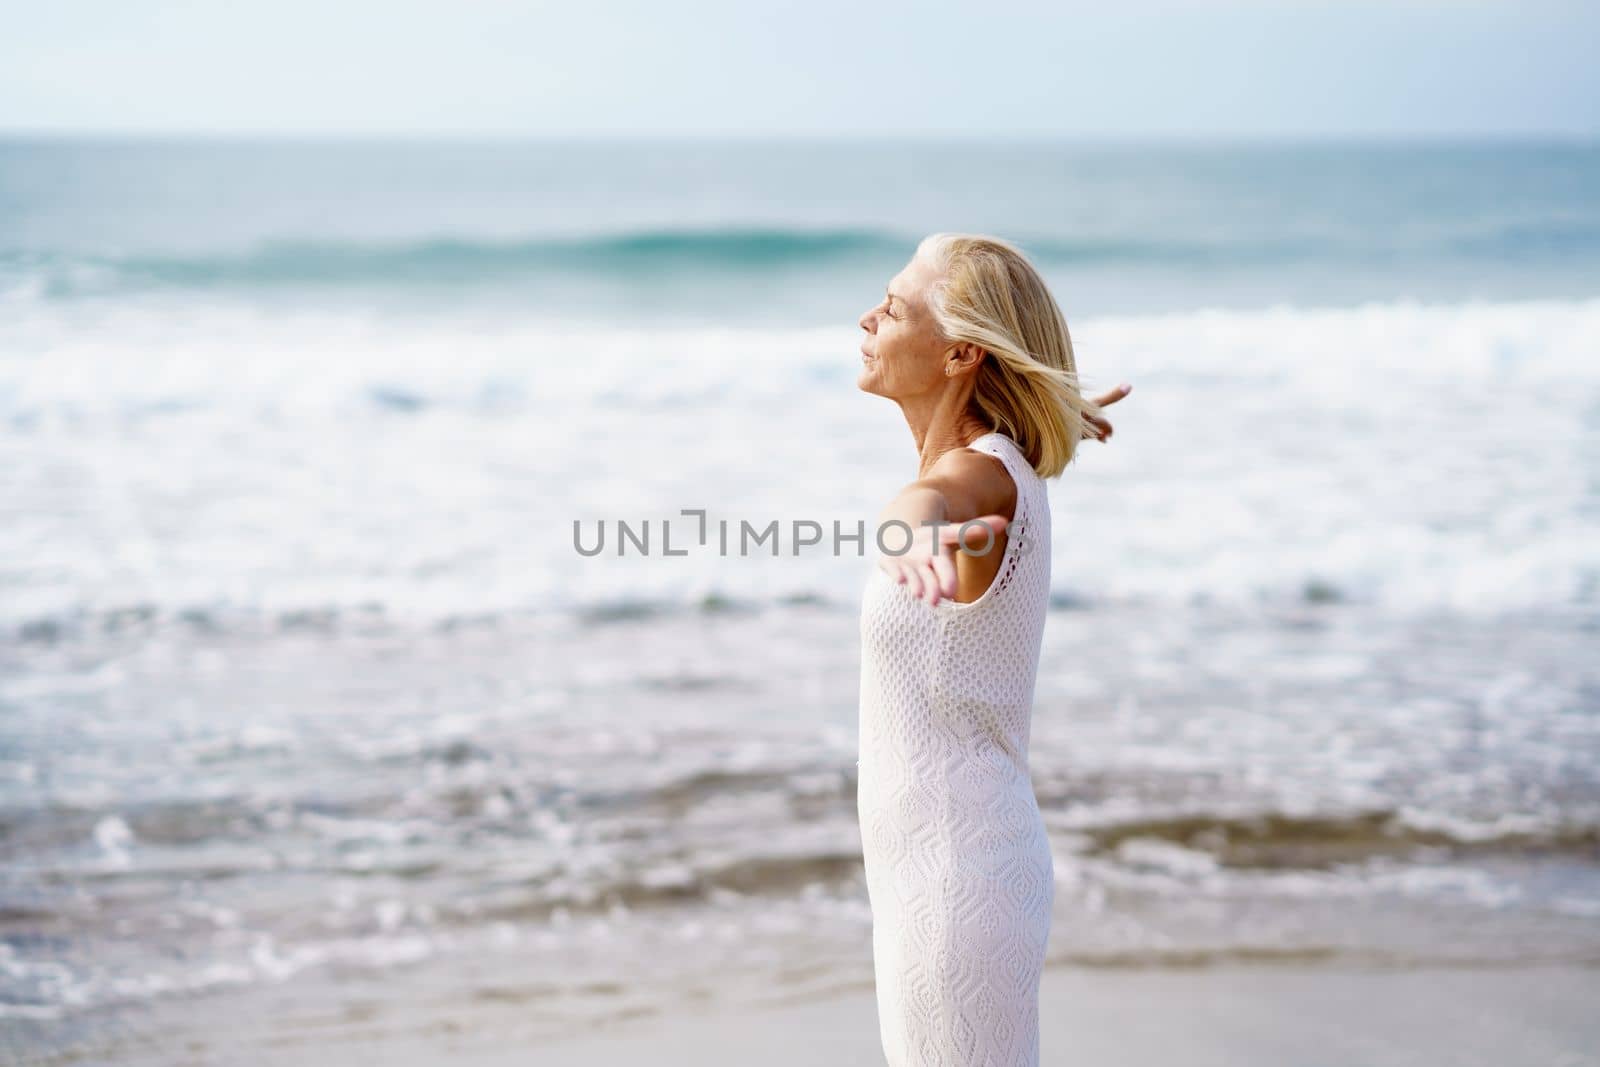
944	424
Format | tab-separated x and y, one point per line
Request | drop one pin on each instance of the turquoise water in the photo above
794	231
299	670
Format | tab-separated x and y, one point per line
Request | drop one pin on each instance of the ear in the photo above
963	357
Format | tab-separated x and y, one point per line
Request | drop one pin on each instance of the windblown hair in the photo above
1028	389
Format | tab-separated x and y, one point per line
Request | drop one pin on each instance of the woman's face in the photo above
903	352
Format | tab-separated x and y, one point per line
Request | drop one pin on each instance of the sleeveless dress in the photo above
958	865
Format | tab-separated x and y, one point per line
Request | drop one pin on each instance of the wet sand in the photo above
1238	1016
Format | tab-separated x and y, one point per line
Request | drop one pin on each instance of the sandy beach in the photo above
1239	1016
1235	1017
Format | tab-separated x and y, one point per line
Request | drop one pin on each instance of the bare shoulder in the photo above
974	483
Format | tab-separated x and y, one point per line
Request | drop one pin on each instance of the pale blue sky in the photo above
1118	68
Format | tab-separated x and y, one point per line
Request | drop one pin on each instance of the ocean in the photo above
302	675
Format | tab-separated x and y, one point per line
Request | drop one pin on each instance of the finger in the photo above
950	534
976	540
930	582
944	569
1111	396
913	582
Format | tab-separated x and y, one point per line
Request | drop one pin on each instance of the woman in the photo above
971	345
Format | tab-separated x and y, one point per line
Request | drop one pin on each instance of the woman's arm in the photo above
1099	428
962	486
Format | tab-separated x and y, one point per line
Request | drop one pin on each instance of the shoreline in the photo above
1237	1015
1234	1016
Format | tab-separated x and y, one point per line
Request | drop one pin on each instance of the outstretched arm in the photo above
1099	429
962	486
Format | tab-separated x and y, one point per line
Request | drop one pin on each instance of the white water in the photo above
227	458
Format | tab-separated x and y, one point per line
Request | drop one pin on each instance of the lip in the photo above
867	357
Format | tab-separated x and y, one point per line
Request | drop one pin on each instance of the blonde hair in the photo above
1028	389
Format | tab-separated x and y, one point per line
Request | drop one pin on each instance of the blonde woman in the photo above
970	344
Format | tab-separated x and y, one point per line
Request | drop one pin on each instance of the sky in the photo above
1112	69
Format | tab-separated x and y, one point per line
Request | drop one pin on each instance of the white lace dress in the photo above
959	871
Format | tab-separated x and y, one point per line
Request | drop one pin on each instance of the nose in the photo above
869	321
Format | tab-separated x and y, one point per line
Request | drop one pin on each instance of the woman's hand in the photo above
1100	429
928	567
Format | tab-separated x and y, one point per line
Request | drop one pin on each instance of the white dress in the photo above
959	871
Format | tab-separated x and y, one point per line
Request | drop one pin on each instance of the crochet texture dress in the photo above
959	870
